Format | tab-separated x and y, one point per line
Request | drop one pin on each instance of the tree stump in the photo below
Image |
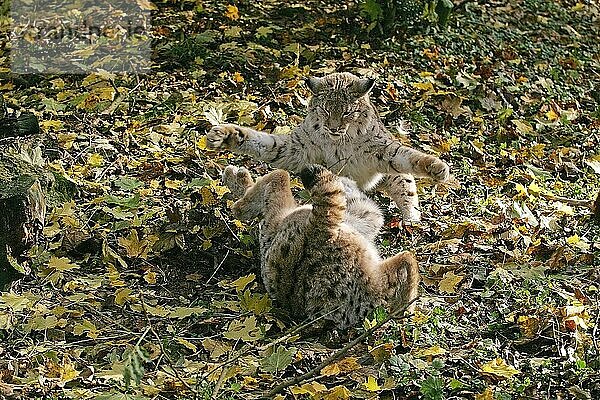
22	212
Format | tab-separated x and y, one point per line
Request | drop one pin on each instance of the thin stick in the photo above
337	355
566	200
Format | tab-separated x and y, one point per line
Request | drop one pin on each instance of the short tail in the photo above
327	196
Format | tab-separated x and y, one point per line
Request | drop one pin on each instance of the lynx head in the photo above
339	101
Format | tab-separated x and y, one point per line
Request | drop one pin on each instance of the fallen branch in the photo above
338	354
572	202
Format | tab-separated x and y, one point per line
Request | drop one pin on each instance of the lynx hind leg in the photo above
267	197
401	279
403	190
361	212
237	180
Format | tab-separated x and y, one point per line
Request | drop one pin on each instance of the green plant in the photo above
393	15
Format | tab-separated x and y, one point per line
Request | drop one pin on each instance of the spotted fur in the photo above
314	261
343	132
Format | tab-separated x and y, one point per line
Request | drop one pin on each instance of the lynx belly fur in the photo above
343	132
320	258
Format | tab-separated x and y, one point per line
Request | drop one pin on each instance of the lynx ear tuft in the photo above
314	84
364	86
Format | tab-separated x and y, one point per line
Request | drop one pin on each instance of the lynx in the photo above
343	132
320	259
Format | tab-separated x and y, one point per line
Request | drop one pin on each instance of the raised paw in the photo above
438	170
225	136
237	180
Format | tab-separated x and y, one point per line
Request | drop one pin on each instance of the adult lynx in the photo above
343	132
314	261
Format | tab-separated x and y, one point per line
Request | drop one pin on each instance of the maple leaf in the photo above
499	368
61	264
135	247
449	282
232	12
245	330
371	384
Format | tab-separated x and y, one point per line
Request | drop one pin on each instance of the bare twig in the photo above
572	202
218	267
338	354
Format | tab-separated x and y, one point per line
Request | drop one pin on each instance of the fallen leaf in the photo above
232	12
499	368
449	282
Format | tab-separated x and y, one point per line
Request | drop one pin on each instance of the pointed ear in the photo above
314	84
364	86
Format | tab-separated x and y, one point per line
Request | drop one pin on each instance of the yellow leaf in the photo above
68	372
135	247
449	282
241	283
424	86
122	295
201	143
57	83
238	78
529	325
419	317
7	86
150	277
499	368
245	330
371	384
252	382
187	344
332	369
257	303
184	312
207	197
232	12
146	5
51	125
523	127
345	365
431	351
552	115
95	160
312	388
65	140
61	264
534	188
576	241
349	364
173	184
86	327
488	394
521	190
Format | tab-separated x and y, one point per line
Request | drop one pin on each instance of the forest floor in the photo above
145	286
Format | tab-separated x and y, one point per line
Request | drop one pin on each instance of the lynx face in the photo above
339	103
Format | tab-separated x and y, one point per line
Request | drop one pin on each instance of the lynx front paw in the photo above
438	170
226	136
